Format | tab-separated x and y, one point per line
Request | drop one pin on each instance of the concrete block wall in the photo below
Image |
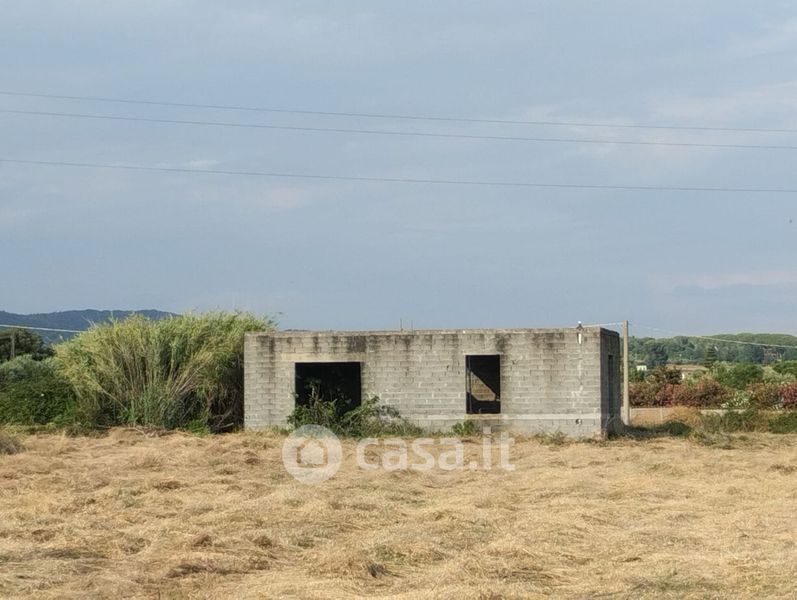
611	385
551	379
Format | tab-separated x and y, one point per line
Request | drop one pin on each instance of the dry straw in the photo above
175	515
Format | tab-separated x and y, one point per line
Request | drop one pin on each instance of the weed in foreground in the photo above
464	429
714	429
370	419
785	423
556	438
10	443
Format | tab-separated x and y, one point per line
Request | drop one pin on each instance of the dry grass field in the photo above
133	515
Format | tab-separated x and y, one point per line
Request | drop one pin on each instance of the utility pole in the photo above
626	402
13	343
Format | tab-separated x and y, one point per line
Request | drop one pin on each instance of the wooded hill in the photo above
78	320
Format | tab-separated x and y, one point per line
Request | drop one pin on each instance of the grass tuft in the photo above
10	443
784	423
556	438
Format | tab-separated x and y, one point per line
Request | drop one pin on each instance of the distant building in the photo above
689	371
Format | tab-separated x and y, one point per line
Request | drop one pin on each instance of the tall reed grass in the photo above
181	372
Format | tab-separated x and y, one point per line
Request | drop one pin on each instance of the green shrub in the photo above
675	428
786	367
25	342
181	372
318	410
713	429
464	429
773	376
738	376
784	423
34	393
738	400
635	376
733	421
663	375
370	419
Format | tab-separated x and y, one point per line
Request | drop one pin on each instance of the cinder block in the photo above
423	375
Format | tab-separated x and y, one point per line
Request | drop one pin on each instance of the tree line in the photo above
756	348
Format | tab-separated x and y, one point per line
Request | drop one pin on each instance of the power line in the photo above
389	132
462	182
39	328
368	115
716	339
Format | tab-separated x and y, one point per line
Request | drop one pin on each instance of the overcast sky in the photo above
337	254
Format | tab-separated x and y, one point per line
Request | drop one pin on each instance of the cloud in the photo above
201	163
356	254
776	38
248	196
717	281
14	216
196	163
769	103
767	106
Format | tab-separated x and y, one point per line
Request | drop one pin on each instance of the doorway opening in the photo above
328	381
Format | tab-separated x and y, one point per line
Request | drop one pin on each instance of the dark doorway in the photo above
338	381
483	383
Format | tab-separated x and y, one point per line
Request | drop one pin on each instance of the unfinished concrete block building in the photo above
523	380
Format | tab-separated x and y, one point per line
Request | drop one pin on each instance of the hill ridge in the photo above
78	320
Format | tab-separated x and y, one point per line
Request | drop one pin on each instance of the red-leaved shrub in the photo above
706	393
667	394
765	395
642	394
790	396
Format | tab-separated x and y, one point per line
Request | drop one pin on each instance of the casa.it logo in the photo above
312	454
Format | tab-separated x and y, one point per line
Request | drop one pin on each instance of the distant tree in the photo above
727	352
25	342
657	354
738	376
751	354
635	375
710	357
664	375
731	348
682	349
